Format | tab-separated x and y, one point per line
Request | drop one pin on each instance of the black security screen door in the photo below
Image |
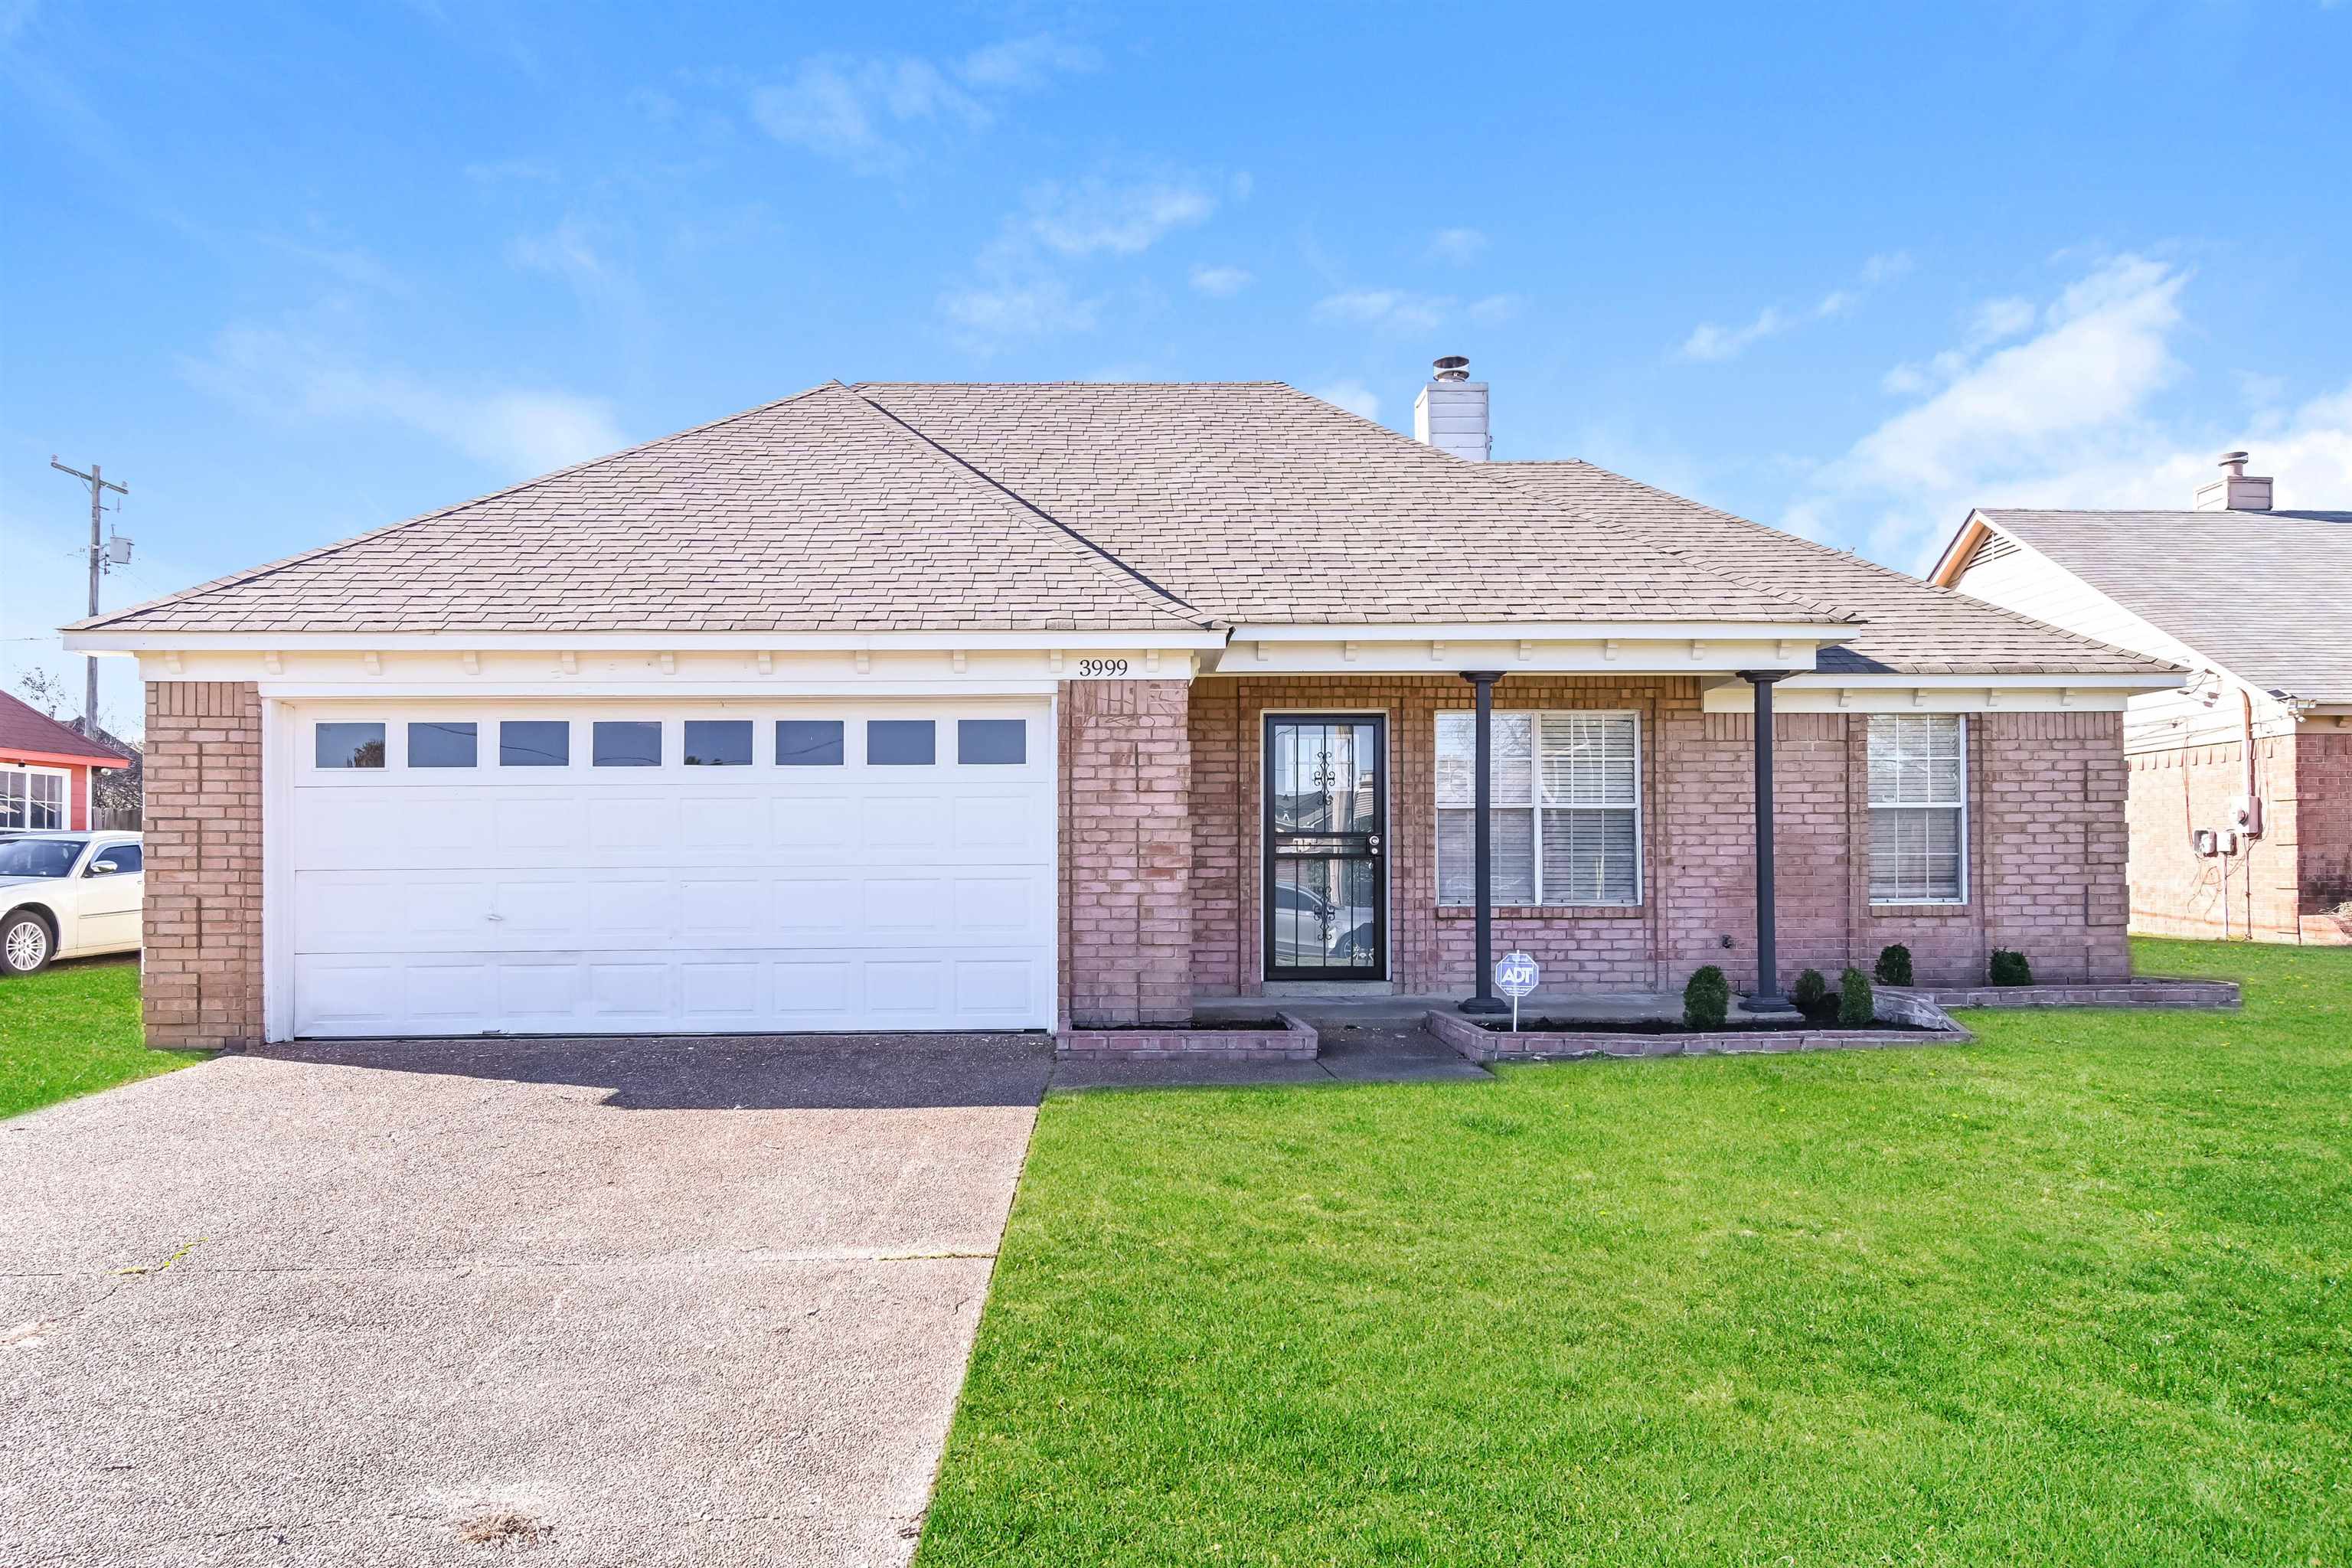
1326	819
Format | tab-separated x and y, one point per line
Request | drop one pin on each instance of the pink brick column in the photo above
1126	852
201	985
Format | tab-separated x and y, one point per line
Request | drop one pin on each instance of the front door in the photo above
1325	827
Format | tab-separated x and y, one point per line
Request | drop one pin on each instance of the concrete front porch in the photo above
1335	1012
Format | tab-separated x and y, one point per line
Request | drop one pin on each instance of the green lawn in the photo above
73	1029
2079	1293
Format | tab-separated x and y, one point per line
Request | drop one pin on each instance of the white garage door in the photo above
622	869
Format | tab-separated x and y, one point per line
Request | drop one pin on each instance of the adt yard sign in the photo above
1516	974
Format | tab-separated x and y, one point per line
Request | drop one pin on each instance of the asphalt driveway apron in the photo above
574	1302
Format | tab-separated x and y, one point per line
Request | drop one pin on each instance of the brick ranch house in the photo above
947	705
2241	794
45	770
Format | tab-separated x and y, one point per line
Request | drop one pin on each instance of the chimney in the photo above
1451	412
2235	491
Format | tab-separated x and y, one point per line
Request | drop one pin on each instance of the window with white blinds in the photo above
1919	808
1566	808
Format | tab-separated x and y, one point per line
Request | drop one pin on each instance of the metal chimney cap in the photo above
1452	367
2235	461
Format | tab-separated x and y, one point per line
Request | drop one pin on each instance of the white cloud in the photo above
1221	282
853	110
1709	341
2102	351
1352	395
517	431
1039	307
1027	63
1094	215
1391	309
865	112
1025	282
571	252
1460	245
2068	414
1885	267
1712	343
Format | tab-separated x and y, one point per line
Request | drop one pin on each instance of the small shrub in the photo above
2008	968
1706	999
1894	965
1857	1004
1809	992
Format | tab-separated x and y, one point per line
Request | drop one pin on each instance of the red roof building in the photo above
44	768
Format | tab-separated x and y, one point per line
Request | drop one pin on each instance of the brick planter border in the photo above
1487	1044
1294	1042
2144	992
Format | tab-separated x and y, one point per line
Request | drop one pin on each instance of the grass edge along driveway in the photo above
74	1030
2077	1294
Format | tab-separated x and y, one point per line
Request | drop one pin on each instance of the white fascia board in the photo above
2152	681
1553	631
677	691
101	640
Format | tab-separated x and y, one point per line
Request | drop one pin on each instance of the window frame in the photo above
1869	868
28	771
1536	809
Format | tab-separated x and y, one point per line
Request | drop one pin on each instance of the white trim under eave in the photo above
101	640
1552	631
2152	681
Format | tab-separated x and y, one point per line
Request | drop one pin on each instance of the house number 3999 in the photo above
1101	668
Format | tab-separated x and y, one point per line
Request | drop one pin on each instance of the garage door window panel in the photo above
342	745
901	743
534	743
626	744
718	742
442	745
808	743
992	743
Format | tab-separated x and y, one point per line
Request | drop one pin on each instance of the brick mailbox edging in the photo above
2144	992
1295	1041
1489	1044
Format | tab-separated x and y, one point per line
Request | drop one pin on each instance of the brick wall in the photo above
1429	949
2175	891
2052	865
2323	789
2047	829
1127	853
201	985
2281	887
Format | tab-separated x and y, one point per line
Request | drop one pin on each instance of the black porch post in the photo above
1482	840
1767	998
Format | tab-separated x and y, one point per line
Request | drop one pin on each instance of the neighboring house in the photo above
941	706
2241	780
46	769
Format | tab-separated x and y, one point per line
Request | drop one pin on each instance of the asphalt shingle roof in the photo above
1271	506
1083	506
25	729
1909	628
819	512
2267	596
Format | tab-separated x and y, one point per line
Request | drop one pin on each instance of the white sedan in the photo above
68	895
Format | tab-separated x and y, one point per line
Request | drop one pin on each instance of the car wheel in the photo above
26	947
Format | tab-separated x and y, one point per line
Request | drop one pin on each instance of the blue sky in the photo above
295	272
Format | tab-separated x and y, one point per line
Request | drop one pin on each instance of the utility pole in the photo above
99	486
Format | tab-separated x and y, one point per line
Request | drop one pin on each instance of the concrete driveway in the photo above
574	1302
